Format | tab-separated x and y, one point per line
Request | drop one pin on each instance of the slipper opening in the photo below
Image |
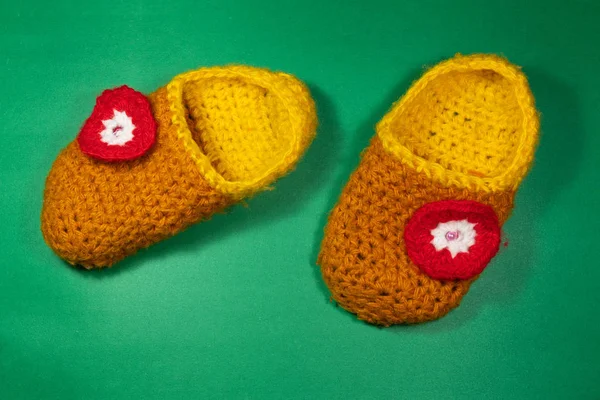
242	128
467	121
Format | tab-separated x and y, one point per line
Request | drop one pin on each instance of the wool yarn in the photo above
419	219
222	134
108	134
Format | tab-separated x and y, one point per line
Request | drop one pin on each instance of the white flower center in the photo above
456	236
118	130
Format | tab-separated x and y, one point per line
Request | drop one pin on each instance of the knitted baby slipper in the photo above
420	218
144	168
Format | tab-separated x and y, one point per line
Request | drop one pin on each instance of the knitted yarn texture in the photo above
223	133
450	154
108	134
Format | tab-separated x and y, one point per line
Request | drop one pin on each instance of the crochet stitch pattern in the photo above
460	141
223	133
117	115
468	229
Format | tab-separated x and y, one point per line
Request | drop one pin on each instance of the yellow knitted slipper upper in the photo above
250	125
475	126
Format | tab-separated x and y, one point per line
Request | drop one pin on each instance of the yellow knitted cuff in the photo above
474	127
230	156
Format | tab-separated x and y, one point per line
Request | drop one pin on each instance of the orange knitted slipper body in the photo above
217	136
420	218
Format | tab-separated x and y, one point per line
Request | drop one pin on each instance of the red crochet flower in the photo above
452	239
121	126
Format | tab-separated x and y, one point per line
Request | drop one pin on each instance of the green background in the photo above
235	307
